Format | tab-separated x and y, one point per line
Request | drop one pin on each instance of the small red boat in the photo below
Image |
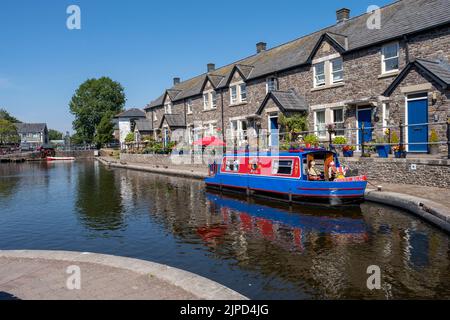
60	158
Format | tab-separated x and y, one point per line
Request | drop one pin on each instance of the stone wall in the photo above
430	173
164	161
79	154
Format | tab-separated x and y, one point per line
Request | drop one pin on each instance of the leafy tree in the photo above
92	100
8	132
104	130
54	135
130	137
7	116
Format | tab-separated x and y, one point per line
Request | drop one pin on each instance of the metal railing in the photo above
361	139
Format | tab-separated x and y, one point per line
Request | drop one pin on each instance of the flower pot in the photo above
383	150
308	145
348	153
400	154
433	149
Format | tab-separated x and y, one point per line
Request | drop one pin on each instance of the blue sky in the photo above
140	43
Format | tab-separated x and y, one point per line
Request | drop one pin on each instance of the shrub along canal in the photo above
262	250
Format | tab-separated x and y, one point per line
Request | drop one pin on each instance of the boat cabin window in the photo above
316	166
282	167
232	166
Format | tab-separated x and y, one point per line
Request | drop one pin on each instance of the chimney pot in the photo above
261	46
342	15
176	81
211	67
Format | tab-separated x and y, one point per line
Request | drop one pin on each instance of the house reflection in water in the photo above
286	229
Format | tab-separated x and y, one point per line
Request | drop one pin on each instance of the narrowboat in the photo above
303	175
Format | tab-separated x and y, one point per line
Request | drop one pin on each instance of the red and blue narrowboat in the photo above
304	175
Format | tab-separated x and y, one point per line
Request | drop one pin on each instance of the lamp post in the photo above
331	130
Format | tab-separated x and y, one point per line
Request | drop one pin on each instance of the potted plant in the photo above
348	151
311	140
339	142
399	151
382	147
434	139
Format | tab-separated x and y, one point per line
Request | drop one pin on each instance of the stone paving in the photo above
31	279
53	275
438	195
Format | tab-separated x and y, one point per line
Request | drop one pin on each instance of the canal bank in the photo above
429	203
50	275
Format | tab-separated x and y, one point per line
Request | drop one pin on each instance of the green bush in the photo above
339	140
311	139
130	137
394	137
434	136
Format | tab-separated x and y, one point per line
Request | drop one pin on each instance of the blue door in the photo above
365	118
417	133
274	131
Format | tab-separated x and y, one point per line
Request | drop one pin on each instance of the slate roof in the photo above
397	19
286	101
30	127
131	113
173	120
437	70
144	125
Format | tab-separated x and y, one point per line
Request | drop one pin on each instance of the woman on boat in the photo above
314	174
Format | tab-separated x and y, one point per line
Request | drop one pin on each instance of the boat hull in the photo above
332	196
60	158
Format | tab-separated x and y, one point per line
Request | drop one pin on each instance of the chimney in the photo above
261	46
211	67
176	81
342	15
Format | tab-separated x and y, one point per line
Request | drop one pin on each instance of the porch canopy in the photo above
210	141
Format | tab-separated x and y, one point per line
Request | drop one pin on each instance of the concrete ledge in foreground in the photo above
428	210
28	274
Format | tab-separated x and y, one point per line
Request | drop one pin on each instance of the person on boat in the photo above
332	171
314	173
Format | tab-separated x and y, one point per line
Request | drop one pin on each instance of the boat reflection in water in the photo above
282	226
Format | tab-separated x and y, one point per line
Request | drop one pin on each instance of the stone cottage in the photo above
372	70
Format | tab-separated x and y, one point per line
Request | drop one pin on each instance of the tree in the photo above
92	100
130	137
104	130
54	135
7	116
8	132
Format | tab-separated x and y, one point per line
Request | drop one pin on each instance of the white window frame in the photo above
210	129
208	102
316	84
168	108
333	72
271	81
189	106
316	128
383	59
241	92
238	87
155	117
386	114
334	120
213	97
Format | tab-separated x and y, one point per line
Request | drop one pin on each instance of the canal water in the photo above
262	250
